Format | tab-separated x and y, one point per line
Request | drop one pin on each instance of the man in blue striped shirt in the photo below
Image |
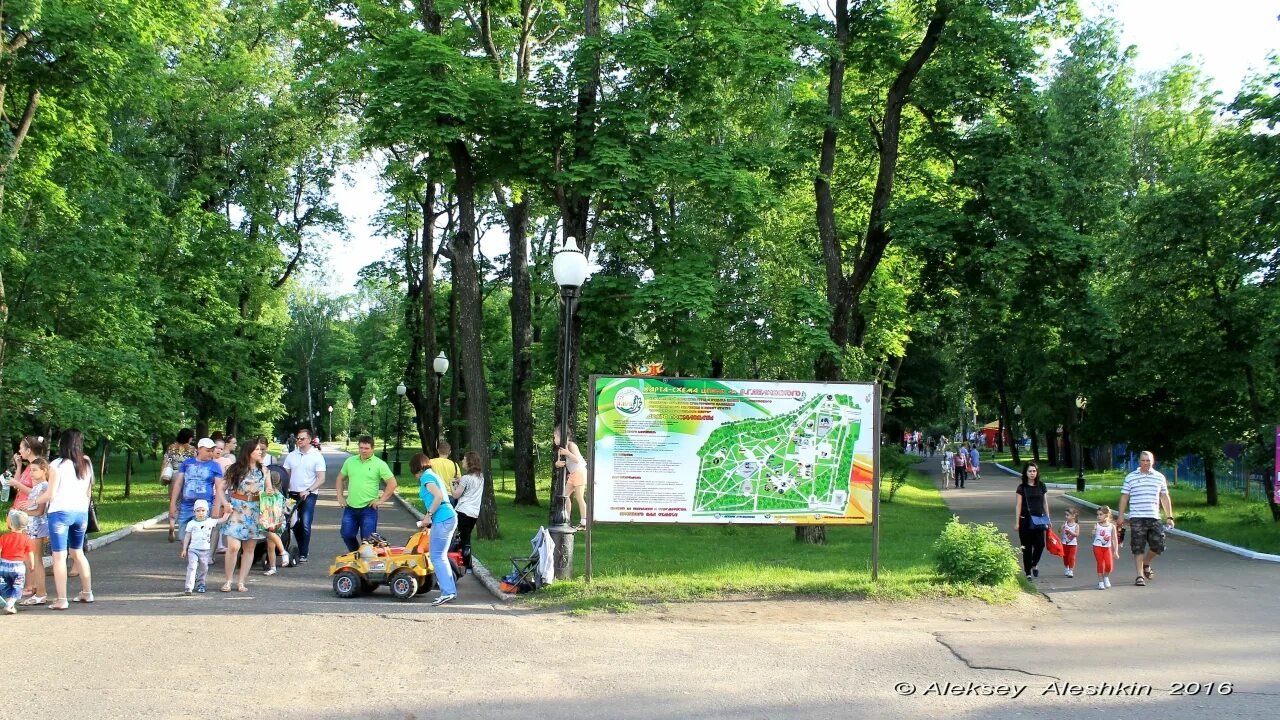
1148	491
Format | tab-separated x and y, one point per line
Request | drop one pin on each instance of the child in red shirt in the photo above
15	552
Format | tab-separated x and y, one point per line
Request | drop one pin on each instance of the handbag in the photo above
1039	522
92	525
1053	543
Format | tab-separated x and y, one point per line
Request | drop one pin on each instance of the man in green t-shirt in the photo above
366	474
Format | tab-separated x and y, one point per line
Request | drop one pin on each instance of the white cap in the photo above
201	504
205	443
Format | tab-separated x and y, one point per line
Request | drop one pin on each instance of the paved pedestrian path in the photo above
142	574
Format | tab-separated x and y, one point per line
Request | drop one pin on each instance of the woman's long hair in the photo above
243	463
1025	479
71	447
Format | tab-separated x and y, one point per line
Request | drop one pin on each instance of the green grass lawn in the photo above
1050	474
1240	522
146	499
635	563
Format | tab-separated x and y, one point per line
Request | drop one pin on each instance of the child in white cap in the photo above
197	546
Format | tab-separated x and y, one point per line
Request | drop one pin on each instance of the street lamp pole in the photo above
570	270
400	390
441	366
1081	403
350	417
384	430
330	423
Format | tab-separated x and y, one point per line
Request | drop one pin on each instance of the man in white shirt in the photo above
306	474
1144	494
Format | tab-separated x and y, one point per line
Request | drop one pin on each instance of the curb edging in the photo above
1208	542
478	570
120	534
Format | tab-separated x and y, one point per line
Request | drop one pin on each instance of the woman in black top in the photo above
1032	499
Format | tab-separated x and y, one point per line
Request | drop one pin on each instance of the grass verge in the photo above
637	564
1239	522
1050	474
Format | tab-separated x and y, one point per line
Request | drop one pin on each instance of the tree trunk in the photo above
128	471
1035	446
470	318
1211	477
456	401
428	429
521	355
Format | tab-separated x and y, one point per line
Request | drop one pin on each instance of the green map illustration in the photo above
792	464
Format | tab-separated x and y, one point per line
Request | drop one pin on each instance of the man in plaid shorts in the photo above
1144	493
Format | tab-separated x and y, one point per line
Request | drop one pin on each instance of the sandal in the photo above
33	600
83	597
241	588
1141	581
1148	572
59	604
225	588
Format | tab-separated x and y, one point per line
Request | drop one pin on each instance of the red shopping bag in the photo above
1053	543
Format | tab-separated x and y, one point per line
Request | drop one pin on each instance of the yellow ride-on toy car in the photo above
407	570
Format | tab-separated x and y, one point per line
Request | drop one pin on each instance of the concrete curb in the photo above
120	534
478	569
1208	542
1055	486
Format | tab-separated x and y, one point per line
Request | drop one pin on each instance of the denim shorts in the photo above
66	530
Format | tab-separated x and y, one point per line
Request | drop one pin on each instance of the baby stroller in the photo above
279	481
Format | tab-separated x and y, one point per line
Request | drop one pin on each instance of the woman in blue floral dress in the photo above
244	481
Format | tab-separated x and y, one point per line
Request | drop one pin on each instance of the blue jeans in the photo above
358	524
306	512
66	529
441	536
13	574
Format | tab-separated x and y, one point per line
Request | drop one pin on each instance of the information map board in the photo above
691	450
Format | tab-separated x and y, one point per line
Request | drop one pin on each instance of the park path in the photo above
1208	615
290	649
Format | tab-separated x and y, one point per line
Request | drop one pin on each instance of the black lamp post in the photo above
330	423
570	270
400	390
384	430
1081	403
441	366
350	418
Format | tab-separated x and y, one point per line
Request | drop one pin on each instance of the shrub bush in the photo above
894	466
969	553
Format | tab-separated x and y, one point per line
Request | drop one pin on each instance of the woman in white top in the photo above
467	490
70	485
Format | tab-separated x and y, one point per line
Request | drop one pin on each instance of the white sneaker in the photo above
9	609
1068	573
1101	585
284	558
443	599
1107	581
272	571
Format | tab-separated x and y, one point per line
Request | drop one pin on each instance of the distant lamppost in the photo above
373	415
441	366
350	417
330	423
400	390
570	270
1082	402
384	430
1017	414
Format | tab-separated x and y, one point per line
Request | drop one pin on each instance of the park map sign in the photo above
690	450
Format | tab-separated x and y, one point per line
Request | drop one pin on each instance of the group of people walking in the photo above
52	506
1144	494
218	499
960	465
